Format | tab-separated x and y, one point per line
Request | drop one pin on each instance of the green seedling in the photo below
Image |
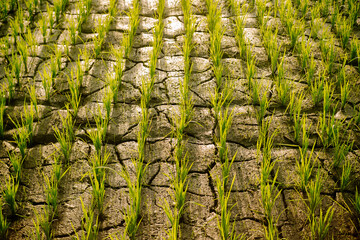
31	6
317	89
42	24
107	97
239	33
31	41
74	87
15	66
9	194
313	191
345	175
2	111
98	136
65	136
112	9
264	103
305	167
327	98
134	17
320	226
72	28
345	92
16	163
341	149
101	29
50	19
89	224
32	94
251	71
85	54
47	82
295	31
356	202
4	224
24	51
283	87
59	8
343	30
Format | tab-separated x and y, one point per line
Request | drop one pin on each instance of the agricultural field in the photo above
189	119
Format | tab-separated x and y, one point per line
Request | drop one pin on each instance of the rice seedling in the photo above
9	194
72	26
4	9
304	167
134	19
296	29
327	98
4	224
343	30
89	223
10	84
85	54
282	85
239	31
264	103
272	48
112	9
31	41
31	6
316	25
4	45
324	7
15	26
15	66
24	130
328	53
132	212
261	8
2	111
33	99
65	136
47	82
50	19
115	82
97	179
317	88
24	51
269	194
37	233
98	136
341	149
108	96
345	175
59	8
329	129
353	11
303	6
356	201
52	188
83	12
320	226
75	87
101	29
345	92
227	230
42	24
313	191
251	71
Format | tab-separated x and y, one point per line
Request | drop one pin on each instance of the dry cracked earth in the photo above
202	207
